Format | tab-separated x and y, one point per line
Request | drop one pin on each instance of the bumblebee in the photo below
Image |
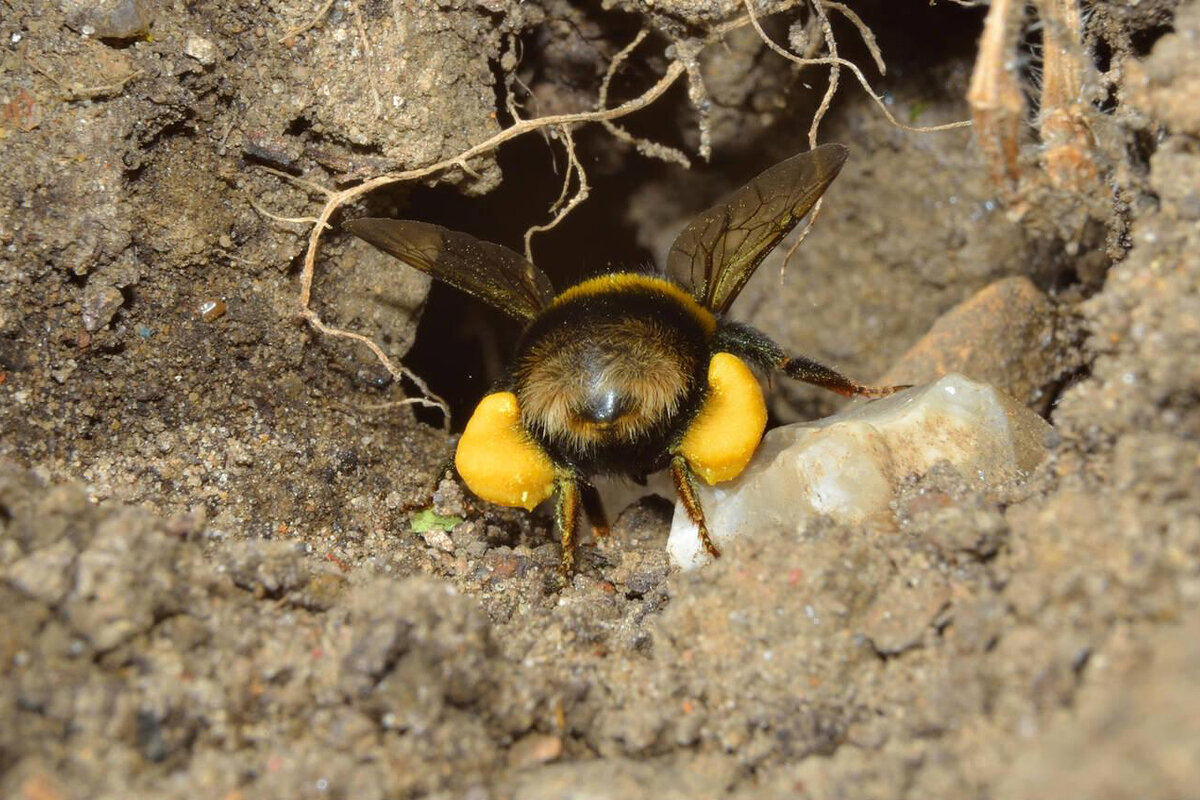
626	373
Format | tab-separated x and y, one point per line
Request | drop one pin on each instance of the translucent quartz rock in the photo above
849	466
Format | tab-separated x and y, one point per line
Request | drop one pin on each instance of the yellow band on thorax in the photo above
617	282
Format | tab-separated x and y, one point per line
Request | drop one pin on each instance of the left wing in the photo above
500	277
720	249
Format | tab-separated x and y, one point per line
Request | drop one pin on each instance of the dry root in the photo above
1068	147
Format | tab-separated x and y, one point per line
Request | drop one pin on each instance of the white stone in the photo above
849	466
201	49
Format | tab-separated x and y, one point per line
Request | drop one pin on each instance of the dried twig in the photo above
835	63
73	91
278	218
581	194
301	182
428	398
995	97
94	92
340	198
1067	141
720	30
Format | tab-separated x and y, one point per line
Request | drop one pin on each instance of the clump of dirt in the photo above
230	563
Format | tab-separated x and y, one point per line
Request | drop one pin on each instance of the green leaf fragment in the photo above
427	520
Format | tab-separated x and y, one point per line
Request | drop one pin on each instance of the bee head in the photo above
617	382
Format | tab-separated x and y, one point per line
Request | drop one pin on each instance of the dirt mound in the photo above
227	565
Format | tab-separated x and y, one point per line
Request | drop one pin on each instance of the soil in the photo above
230	565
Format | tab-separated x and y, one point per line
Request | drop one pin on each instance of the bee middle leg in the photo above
757	347
594	509
566	516
685	487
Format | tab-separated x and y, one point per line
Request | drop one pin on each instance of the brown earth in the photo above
219	571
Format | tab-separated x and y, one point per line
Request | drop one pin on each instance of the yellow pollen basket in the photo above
726	432
497	459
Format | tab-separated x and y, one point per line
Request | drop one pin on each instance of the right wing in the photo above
720	249
501	278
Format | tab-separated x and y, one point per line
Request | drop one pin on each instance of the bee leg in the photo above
685	486
755	346
566	515
594	510
805	369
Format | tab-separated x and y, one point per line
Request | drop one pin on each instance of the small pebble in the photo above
100	303
63	373
534	749
201	49
212	310
110	19
1002	335
438	540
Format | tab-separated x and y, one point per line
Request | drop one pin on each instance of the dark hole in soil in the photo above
1142	42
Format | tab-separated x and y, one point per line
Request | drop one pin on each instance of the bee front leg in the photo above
566	516
685	486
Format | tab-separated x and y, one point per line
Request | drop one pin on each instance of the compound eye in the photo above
498	460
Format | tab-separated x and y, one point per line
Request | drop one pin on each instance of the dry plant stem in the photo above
510	100
573	167
336	199
741	22
834	74
850	65
307	26
687	53
835	63
572	163
997	105
1067	151
95	92
72	92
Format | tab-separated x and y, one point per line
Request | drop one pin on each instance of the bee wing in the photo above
491	272
720	249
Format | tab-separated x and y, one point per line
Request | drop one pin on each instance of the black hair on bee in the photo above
627	373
